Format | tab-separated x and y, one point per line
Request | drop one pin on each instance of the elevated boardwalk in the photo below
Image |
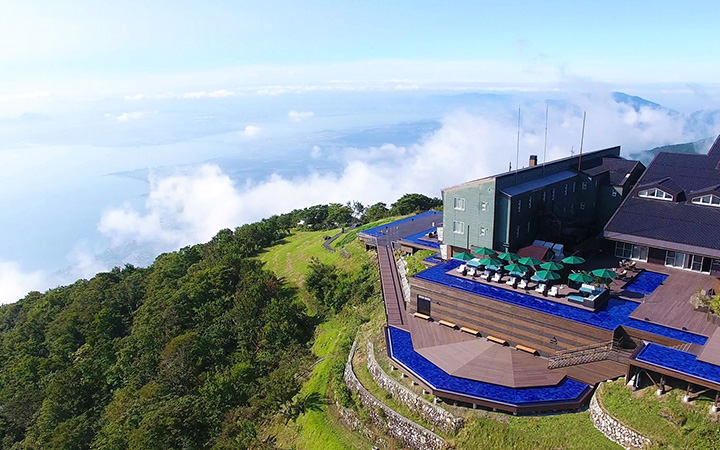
391	288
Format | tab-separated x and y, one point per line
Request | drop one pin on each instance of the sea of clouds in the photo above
191	203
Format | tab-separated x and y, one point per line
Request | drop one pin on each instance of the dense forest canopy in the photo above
192	352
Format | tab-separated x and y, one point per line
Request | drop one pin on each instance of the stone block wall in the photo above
414	436
434	414
613	429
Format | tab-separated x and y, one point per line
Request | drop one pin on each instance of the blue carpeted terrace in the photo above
417	238
401	349
646	282
615	314
678	361
381	229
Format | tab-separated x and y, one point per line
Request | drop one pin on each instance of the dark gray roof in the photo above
667	184
673	224
539	183
619	170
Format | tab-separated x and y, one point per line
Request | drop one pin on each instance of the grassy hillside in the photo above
666	420
290	259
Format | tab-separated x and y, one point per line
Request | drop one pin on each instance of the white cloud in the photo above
220	93
135	97
134	115
251	130
191	207
15	283
296	116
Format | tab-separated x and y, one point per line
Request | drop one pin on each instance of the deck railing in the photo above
602	351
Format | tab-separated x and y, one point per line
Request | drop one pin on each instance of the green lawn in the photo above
290	259
667	421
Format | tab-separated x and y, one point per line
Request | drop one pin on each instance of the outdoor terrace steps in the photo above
611	350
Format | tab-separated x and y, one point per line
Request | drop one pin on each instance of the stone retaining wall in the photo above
434	414
411	434
613	429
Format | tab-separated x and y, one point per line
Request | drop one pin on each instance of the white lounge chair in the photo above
471	272
523	284
496	278
485	275
461	268
553	292
541	288
511	281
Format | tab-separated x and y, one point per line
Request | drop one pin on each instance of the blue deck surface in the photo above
401	349
417	238
672	333
615	314
434	259
646	282
380	230
678	361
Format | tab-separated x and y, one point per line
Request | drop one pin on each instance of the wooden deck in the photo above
391	288
467	356
594	372
669	304
710	352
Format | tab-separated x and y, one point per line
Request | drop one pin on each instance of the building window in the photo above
517	231
687	261
596	183
482	231
584	186
565	189
553	195
712	200
519	205
631	251
574	185
544	196
614	193
582	206
572	209
530	202
459	203
655	193
483	206
528	228
459	227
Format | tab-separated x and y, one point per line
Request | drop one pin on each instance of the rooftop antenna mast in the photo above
517	151
545	146
582	139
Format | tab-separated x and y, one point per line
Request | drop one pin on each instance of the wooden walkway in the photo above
391	288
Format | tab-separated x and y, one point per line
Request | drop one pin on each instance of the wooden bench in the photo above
421	316
470	331
447	324
497	340
532	351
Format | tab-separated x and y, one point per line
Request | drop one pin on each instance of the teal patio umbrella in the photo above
606	274
530	261
509	257
581	277
518	268
490	261
464	256
552	266
484	251
573	260
546	275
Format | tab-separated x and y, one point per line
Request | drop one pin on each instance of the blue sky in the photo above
44	42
